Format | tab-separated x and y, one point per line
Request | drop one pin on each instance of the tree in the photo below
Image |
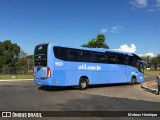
154	62
158	61
9	54
158	58
99	42
148	60
26	63
22	54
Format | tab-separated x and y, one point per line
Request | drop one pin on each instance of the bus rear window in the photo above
40	55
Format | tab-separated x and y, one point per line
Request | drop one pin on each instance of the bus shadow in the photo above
112	85
55	88
58	88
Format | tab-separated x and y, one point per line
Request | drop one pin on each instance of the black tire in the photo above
83	84
133	80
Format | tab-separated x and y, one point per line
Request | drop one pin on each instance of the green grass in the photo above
18	76
153	72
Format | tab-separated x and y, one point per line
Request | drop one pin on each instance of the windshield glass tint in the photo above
141	67
40	55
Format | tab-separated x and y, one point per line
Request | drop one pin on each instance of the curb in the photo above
16	80
149	89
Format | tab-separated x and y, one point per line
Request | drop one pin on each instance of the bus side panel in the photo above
109	74
140	77
72	78
104	77
130	72
97	77
94	77
59	78
115	73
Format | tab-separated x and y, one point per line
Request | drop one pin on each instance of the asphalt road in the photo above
25	96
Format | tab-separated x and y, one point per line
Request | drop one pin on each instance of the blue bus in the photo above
58	65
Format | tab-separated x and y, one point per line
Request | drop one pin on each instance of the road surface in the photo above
26	96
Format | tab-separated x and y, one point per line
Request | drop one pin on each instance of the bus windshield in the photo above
141	65
40	55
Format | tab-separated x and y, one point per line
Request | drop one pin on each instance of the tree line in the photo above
11	54
153	62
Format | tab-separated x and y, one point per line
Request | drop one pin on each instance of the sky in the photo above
130	25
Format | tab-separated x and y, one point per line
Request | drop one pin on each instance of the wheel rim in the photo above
133	81
83	84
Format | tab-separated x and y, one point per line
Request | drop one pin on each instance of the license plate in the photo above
39	83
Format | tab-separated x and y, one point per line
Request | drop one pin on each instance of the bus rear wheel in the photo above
83	84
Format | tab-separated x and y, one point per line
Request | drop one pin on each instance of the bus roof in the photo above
91	49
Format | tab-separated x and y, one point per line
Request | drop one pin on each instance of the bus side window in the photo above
100	58
87	56
60	53
131	61
73	55
112	59
121	60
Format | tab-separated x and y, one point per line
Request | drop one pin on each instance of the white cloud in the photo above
149	5
114	29
158	3
104	30
127	48
151	10
132	49
148	54
139	3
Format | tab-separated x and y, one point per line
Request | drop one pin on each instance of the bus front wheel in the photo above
133	80
83	83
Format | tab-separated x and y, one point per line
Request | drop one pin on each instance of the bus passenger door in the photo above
120	74
131	68
120	71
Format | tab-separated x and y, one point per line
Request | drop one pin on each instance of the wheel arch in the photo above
85	77
133	80
133	76
83	83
